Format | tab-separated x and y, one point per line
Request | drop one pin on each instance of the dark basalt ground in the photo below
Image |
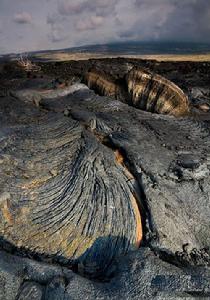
66	153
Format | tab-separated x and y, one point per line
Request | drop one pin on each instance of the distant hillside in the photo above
141	48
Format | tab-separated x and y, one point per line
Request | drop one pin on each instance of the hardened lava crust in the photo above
104	181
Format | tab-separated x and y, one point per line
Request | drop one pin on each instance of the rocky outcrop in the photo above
142	89
140	275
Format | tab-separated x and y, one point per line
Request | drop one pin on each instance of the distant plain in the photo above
64	56
166	51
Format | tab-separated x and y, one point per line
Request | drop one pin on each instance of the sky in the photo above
31	25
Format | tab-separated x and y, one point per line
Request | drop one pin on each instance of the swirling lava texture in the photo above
64	193
82	175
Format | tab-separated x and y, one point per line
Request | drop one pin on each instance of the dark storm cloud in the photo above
186	20
68	23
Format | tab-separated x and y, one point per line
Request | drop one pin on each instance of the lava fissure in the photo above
149	232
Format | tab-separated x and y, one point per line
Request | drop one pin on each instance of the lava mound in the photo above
141	89
64	193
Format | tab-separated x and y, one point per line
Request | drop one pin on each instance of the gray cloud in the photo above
101	7
57	30
22	18
186	20
52	19
57	33
69	23
90	24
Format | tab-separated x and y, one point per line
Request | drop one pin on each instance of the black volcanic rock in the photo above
87	179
